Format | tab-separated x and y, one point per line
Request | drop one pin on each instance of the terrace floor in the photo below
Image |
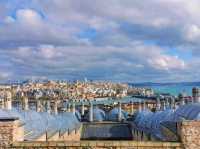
106	131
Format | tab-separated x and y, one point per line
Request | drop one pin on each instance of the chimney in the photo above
69	107
8	100
119	112
158	105
181	98
132	108
139	106
163	106
56	107
167	103
172	103
3	103
38	105
24	101
144	105
91	112
48	106
73	108
196	94
82	109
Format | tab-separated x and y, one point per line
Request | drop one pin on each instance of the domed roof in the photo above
38	123
141	118
98	115
151	122
113	114
157	119
188	112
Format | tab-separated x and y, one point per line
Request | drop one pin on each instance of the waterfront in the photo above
172	88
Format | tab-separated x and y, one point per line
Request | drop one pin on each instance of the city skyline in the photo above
127	41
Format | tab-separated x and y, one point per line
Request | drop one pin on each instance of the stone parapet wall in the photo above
96	145
10	131
75	135
6	135
189	132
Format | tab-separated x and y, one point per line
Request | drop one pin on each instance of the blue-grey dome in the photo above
141	118
151	122
188	112
113	114
157	119
98	115
38	123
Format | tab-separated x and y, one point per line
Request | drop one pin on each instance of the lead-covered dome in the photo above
98	115
113	114
187	112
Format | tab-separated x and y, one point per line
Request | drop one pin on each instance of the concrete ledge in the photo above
96	144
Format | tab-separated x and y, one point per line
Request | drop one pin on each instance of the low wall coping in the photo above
96	143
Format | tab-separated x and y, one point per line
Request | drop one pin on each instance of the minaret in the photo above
119	112
91	112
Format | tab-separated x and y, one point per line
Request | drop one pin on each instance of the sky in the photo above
117	40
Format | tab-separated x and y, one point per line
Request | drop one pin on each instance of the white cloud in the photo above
192	33
29	17
164	62
130	38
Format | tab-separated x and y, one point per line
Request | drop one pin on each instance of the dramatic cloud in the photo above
117	40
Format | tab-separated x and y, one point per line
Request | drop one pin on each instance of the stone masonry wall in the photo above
75	135
189	132
9	132
96	145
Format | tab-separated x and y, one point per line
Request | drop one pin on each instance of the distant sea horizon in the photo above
172	88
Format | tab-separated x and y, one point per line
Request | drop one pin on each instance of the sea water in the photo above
173	89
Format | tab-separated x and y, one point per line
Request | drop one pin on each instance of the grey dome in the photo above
188	112
113	114
38	123
98	115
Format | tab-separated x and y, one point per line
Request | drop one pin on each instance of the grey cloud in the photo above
93	62
46	43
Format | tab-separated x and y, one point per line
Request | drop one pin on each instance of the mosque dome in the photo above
141	118
187	112
113	114
38	123
98	115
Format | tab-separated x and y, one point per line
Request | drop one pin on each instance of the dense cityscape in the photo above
81	111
